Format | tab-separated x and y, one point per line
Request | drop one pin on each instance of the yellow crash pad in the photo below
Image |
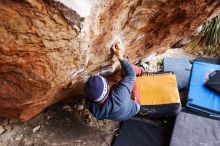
157	89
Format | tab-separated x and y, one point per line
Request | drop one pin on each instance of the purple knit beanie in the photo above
96	88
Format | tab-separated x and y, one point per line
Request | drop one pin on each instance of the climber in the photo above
118	103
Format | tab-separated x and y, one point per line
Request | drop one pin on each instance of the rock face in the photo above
47	49
40	54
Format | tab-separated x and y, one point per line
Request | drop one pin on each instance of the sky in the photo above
82	7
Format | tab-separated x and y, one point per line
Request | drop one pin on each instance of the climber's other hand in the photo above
118	51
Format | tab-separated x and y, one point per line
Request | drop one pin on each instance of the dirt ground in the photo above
59	125
70	124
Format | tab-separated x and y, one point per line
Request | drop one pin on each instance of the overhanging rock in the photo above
47	47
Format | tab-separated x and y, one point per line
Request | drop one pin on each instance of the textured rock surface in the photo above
46	49
40	54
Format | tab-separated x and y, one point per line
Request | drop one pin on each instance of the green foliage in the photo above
207	40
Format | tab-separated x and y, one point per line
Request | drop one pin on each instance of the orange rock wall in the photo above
40	54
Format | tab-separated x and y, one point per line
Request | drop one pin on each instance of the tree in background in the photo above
207	39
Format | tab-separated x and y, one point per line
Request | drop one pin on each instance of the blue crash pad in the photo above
181	67
200	97
139	133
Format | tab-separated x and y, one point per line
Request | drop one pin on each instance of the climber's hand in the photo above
117	49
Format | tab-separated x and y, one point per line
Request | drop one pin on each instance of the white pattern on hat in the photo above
104	92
